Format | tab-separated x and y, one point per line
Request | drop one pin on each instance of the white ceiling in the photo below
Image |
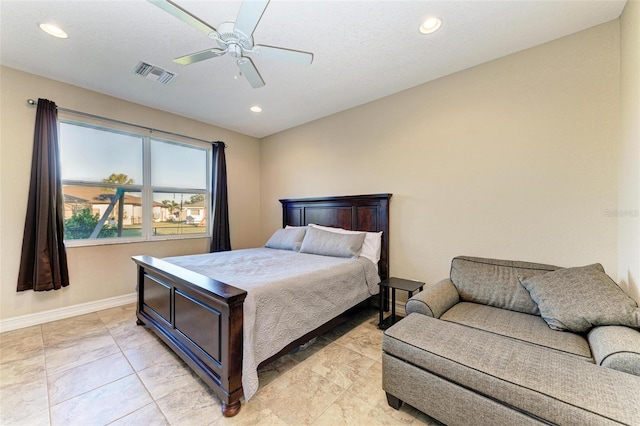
363	50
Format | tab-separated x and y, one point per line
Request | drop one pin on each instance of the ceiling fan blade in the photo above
282	54
249	15
199	56
250	72
175	10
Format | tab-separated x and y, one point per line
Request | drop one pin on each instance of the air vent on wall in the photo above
151	72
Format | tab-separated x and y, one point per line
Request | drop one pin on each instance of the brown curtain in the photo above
220	239
43	264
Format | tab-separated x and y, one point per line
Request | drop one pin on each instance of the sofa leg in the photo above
393	401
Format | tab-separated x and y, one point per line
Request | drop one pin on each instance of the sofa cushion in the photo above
515	325
577	299
551	386
495	282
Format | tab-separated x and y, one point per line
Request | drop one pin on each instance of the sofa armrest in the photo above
434	300
616	347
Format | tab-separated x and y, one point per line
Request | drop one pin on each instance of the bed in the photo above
202	319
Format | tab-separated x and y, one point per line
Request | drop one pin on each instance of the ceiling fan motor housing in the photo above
233	40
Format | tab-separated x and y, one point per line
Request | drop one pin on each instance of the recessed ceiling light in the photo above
430	25
256	108
53	30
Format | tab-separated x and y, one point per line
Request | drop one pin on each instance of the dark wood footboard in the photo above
200	319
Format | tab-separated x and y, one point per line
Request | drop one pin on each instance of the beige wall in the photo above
629	201
516	158
102	272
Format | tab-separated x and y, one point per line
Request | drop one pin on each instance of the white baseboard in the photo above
67	312
86	308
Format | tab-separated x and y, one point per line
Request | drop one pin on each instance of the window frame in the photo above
146	189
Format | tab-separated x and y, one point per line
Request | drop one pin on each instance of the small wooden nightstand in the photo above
395	283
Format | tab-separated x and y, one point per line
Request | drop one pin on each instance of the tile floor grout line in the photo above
121	352
46	376
93	389
328	406
153	399
125	415
81	365
82	338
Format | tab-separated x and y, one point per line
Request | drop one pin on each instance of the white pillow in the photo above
372	241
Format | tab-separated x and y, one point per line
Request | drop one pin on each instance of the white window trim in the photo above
146	189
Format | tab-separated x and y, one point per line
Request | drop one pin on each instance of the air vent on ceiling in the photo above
151	72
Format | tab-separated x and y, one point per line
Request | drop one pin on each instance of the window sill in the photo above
115	241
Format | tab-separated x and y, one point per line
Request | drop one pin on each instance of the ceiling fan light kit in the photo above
236	39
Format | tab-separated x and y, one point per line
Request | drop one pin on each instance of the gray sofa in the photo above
507	343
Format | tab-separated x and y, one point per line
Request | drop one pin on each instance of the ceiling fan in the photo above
236	39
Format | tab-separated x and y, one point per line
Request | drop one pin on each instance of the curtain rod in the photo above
151	129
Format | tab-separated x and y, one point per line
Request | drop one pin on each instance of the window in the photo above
124	186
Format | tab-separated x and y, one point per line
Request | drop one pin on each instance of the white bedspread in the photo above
288	295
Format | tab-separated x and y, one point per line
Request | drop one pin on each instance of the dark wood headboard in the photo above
368	213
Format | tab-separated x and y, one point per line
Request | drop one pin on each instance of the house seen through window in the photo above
127	186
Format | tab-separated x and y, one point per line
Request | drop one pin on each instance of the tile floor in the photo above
101	368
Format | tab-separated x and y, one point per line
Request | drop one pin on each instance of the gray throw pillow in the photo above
325	243
287	239
577	299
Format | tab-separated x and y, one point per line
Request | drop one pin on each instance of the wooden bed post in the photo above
234	352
